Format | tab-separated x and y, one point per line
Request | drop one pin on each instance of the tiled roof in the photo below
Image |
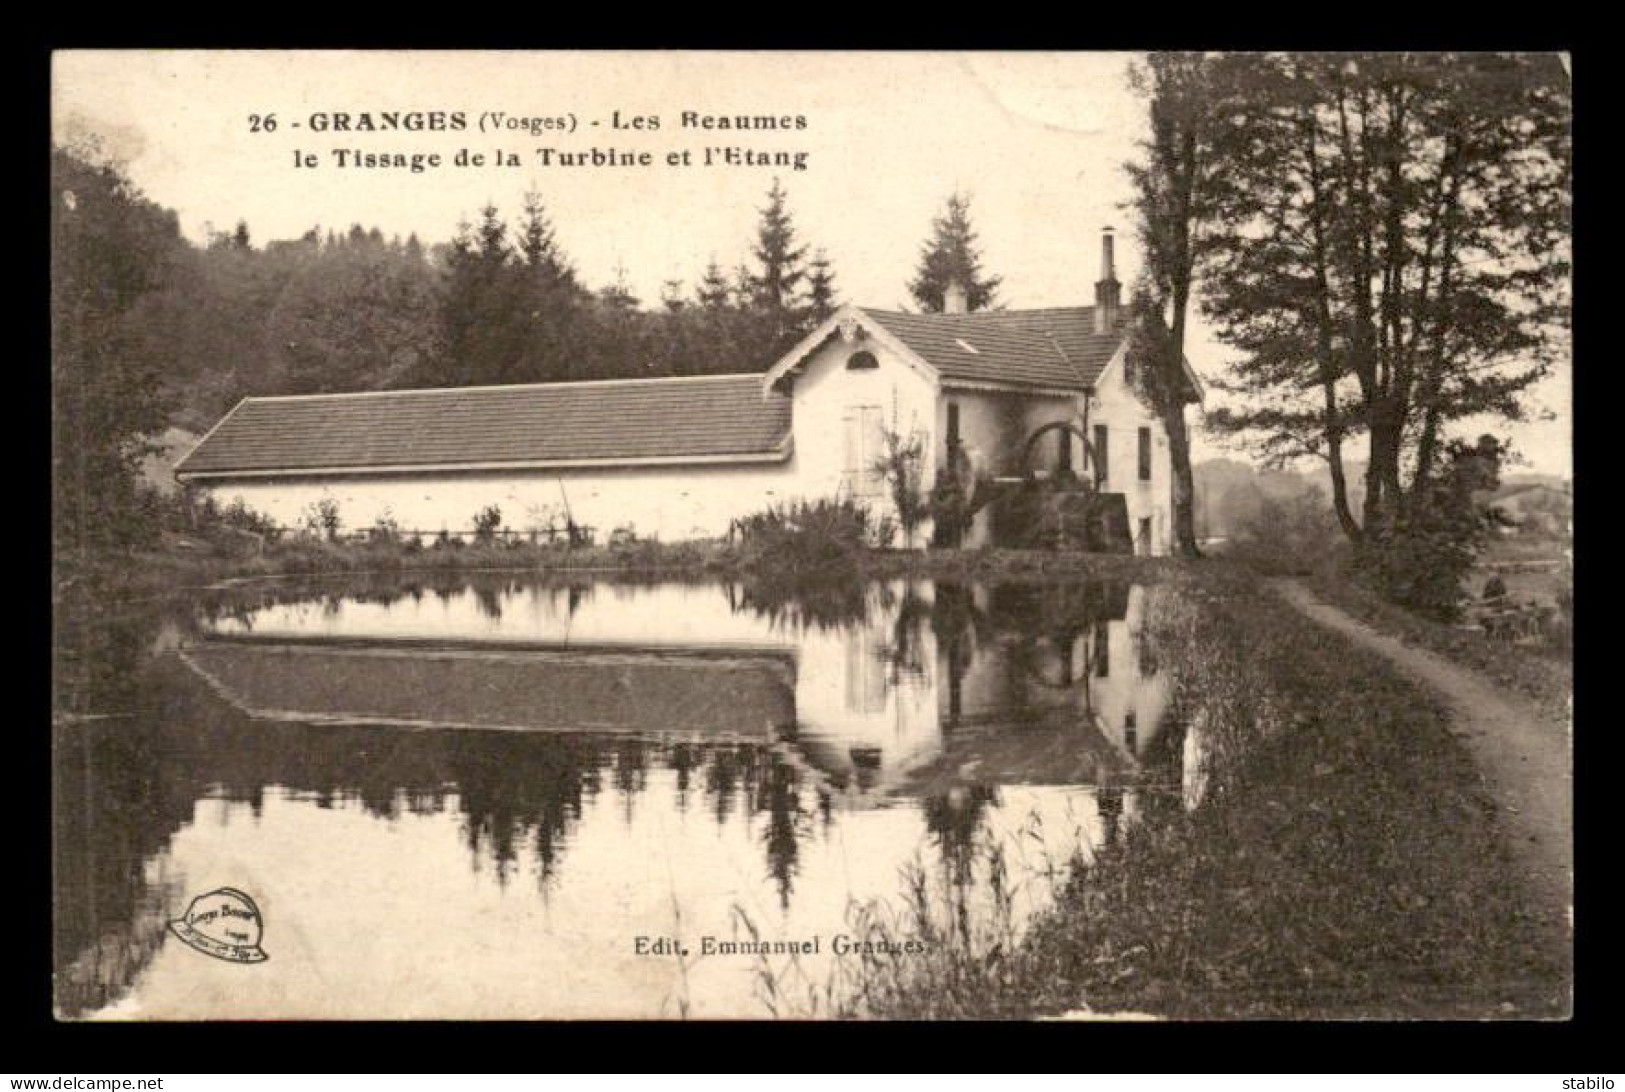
619	420
1045	347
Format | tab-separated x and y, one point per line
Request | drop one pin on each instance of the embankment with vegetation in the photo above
1339	860
1541	670
1342	862
803	545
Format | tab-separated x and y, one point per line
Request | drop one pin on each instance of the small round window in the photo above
862	360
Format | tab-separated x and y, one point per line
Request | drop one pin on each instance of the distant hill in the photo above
1512	483
1535	507
1229	492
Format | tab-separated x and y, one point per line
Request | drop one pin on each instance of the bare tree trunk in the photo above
1173	409
1382	472
1340	490
1184	484
1333	427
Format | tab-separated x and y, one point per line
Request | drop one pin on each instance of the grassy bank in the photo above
1542	673
179	565
1342	862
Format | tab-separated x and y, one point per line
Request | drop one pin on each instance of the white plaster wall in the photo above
675	615
823	393
670	503
1125	689
685	502
1121	411
849	696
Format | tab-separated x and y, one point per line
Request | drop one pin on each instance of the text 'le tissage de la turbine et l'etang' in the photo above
627	128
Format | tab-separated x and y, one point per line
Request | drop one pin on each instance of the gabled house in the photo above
1042	391
1012	392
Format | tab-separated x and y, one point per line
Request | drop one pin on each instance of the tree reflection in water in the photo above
786	823
124	788
955	817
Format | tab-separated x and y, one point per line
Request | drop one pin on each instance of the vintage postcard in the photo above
832	535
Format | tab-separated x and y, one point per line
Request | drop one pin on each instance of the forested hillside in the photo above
155	337
498	302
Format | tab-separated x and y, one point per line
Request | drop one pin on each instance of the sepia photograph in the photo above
792	535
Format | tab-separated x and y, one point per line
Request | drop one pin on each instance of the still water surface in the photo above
470	798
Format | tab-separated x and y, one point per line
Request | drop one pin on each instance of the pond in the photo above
499	796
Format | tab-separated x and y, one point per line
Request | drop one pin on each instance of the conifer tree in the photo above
820	288
550	299
951	254
483	324
775	287
538	246
714	292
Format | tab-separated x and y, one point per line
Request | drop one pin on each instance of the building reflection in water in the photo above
820	732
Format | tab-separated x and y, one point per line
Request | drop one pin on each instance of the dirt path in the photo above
1525	760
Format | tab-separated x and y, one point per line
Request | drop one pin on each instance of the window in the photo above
862	360
1145	454
1131	731
1064	452
953	426
864	445
1102	472
1145	536
1103	651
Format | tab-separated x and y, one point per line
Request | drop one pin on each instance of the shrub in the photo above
384	530
1557	627
1418	568
1292	535
1422	561
806	540
542	523
233	531
651	553
321	519
487	522
899	466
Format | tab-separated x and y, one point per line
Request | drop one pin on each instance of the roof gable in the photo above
1050	347
1044	349
1192	390
673	420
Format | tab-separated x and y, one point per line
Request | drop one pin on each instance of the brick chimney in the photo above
955	300
1108	293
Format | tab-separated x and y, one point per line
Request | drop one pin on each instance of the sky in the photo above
1038	140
